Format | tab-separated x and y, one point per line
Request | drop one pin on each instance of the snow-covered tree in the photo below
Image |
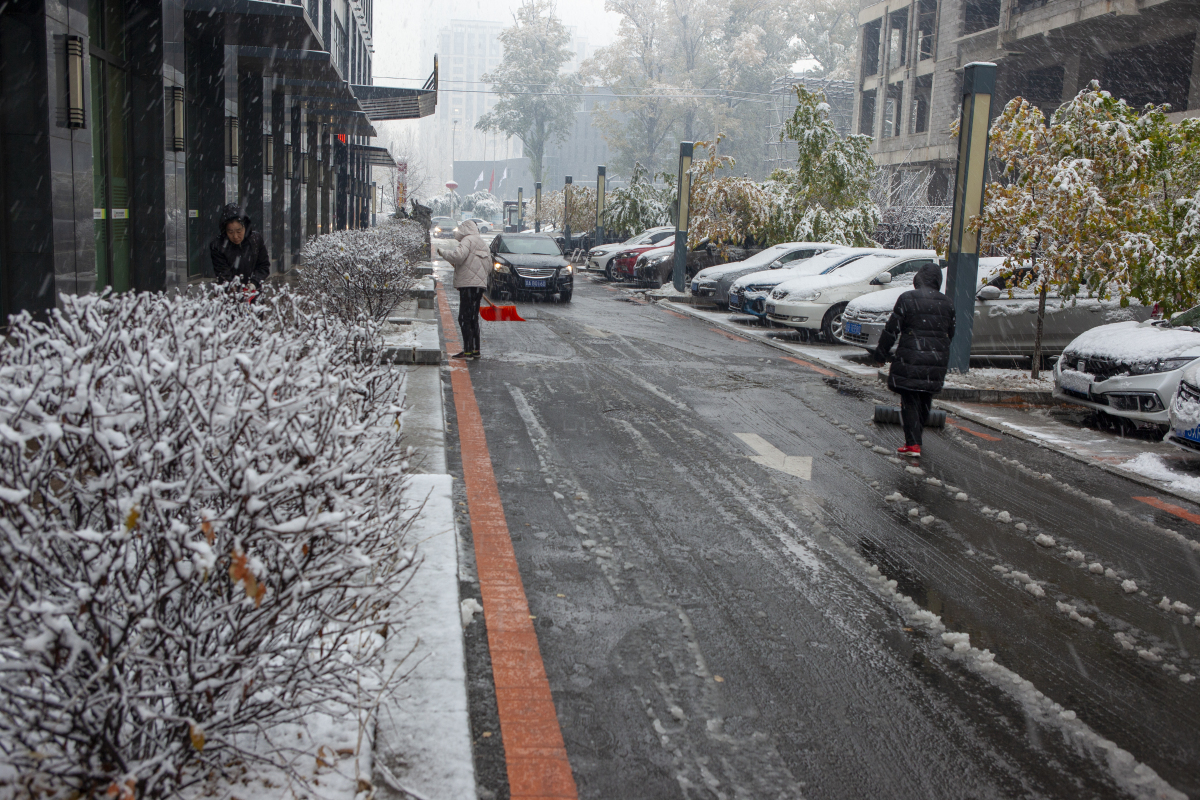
641	205
200	535
537	101
446	204
583	209
827	195
483	204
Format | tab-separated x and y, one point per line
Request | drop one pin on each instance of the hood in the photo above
885	299
466	228
774	277
1135	342
928	277
231	213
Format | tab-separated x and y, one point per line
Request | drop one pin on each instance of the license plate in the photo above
1192	434
770	308
535	284
854	328
695	286
1076	381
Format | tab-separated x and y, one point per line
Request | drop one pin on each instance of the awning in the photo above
393	102
256	23
375	156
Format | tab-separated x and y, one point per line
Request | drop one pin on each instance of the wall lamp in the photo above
288	162
269	154
178	137
231	144
76	113
303	167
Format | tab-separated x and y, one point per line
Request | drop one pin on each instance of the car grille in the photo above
1100	369
1189	392
526	272
1099	399
857	338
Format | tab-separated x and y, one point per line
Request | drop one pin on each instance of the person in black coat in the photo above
923	319
239	252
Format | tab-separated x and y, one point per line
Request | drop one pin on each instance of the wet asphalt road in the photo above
718	627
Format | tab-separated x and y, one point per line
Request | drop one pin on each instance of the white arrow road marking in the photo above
773	457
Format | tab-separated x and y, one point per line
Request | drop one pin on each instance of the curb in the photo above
947	403
422	745
964	394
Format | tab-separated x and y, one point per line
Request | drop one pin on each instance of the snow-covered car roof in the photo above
809	266
863	269
763	257
1136	342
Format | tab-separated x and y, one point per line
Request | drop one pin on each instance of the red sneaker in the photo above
910	450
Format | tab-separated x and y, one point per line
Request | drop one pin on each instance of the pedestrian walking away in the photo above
471	260
923	320
239	253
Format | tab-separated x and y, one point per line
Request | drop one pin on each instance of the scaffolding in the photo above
838	94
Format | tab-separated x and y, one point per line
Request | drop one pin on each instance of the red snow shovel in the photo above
494	313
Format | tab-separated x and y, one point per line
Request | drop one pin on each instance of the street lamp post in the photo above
537	207
600	174
567	212
520	208
681	219
962	255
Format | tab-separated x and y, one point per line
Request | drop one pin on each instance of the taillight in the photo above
1156	310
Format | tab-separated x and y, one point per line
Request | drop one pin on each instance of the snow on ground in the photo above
998	379
1157	467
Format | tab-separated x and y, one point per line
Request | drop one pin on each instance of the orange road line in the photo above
535	755
674	313
813	367
726	334
985	436
1170	508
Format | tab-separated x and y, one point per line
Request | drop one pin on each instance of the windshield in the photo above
442	222
529	246
839	261
868	267
766	256
1187	319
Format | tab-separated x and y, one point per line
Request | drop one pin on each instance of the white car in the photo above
749	293
598	258
714	282
1184	430
816	302
1130	369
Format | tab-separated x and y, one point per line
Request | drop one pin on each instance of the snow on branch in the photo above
199	534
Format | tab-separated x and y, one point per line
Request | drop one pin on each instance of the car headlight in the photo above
1161	365
499	266
805	294
659	260
568	269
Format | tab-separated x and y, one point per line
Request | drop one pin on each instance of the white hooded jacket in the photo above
471	259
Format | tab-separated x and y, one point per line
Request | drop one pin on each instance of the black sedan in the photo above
527	264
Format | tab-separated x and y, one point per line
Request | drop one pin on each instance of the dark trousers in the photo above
914	410
468	316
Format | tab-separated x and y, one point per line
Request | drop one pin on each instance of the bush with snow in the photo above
363	272
199	534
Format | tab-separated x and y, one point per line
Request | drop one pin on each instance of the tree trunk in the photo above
1037	339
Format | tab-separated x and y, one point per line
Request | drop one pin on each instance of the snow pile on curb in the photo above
1151	465
202	550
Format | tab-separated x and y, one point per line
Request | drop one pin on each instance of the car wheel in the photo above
564	297
832	325
608	273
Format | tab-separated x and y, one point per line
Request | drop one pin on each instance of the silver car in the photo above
714	282
1003	325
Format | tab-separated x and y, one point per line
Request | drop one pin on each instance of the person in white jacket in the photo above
471	260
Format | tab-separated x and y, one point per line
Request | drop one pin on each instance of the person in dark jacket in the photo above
923	319
239	252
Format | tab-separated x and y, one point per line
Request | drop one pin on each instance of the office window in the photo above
979	15
866	113
897	38
926	28
109	121
870	47
919	115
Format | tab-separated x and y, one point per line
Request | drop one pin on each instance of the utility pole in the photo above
684	185
600	174
567	212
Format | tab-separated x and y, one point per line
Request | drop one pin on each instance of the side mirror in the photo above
988	292
882	279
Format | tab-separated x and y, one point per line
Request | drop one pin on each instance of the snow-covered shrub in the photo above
446	204
484	205
357	272
199	535
641	205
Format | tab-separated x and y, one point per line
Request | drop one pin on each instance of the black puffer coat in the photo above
248	261
924	320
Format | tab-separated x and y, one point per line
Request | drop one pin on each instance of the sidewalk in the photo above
1022	414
